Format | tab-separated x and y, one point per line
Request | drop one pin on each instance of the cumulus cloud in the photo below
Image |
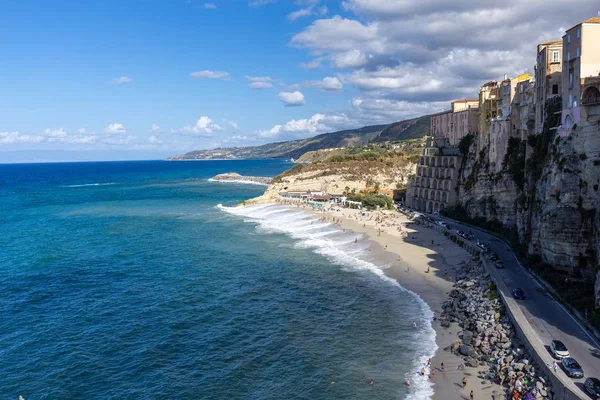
327	83
154	128
154	140
260	82
292	99
58	133
435	50
16	137
122	80
203	127
115	128
318	123
207	74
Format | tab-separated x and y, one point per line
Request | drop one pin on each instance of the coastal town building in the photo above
522	112
495	123
581	64
456	123
434	186
548	79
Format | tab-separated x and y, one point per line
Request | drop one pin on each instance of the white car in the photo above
559	350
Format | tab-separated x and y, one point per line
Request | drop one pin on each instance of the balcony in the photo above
591	101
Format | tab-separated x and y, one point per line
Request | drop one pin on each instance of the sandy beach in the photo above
412	250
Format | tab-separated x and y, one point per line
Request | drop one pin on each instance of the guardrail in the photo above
563	389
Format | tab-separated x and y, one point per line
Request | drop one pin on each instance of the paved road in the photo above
549	319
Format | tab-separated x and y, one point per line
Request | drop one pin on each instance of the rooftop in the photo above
593	20
465	101
551	42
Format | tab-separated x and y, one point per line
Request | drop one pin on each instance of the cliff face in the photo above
546	194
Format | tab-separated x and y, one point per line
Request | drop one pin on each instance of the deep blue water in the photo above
125	280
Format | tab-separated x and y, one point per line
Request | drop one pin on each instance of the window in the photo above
571	78
578	52
555	56
569	56
578	33
569	38
554	89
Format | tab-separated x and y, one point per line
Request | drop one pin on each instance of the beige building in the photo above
434	187
496	124
458	122
548	73
523	112
581	62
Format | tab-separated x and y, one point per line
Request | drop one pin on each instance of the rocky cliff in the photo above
337	177
545	199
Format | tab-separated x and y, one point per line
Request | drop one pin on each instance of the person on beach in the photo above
554	366
471	395
372	382
464	382
414	324
429	363
408	383
422	371
432	374
442	367
427	271
355	240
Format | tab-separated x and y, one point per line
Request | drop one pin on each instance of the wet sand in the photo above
410	257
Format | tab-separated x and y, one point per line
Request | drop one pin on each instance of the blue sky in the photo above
147	78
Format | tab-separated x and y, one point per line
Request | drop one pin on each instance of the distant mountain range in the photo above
408	129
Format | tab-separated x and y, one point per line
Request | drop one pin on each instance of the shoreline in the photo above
409	258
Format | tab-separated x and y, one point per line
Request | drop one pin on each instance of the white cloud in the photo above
122	80
233	125
154	140
207	74
60	132
209	6
115	128
82	131
308	11
318	123
203	127
314	64
327	83
435	50
260	82
155	128
291	99
16	137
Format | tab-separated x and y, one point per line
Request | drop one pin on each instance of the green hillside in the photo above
408	129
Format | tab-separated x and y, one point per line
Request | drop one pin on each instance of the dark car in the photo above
518	294
494	257
592	386
499	264
571	367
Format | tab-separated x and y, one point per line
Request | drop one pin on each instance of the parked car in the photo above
518	294
592	386
494	257
499	264
559	350
484	246
461	234
571	367
470	236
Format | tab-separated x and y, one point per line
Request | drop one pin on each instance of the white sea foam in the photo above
323	238
241	181
90	184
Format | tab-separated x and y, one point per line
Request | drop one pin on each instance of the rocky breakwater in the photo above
487	338
234	177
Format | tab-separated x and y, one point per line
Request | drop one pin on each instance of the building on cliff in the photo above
496	125
581	63
456	123
434	187
548	81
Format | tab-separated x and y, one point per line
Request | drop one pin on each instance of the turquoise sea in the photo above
138	280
